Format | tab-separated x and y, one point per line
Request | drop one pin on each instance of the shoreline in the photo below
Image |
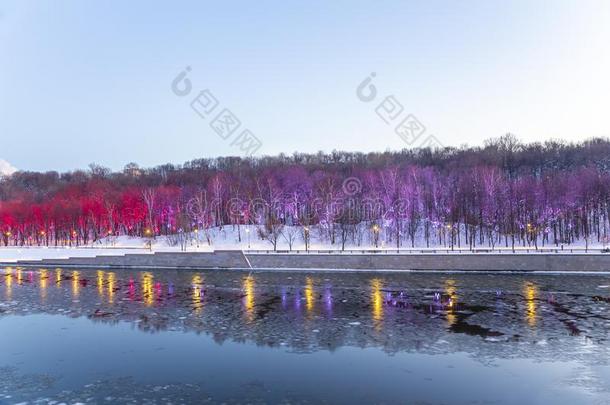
321	271
557	263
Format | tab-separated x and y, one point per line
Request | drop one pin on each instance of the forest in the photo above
503	193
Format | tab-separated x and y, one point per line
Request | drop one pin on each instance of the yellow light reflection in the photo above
75	283
197	293
111	283
19	276
530	296
309	295
100	283
451	292
9	282
44	278
147	289
58	278
377	301
248	287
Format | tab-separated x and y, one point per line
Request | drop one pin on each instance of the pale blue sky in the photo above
84	81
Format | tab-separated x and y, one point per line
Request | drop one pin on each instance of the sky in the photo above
84	81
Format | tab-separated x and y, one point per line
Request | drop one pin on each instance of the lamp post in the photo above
197	236
306	231
531	231
148	234
376	233
450	227
248	233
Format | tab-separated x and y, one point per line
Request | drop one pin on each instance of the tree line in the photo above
504	193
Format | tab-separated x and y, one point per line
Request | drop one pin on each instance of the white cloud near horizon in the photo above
6	169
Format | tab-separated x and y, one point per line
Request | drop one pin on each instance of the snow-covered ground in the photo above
11	254
247	238
231	238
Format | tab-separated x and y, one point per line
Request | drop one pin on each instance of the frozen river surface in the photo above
277	337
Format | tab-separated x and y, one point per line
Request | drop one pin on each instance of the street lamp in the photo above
531	230
148	234
450	227
248	233
197	236
376	233
306	229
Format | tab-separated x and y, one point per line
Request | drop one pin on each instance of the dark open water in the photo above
278	337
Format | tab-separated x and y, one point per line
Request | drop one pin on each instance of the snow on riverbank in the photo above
11	254
247	237
228	238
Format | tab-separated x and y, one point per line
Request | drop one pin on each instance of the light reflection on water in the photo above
377	298
100	283
451	302
530	297
147	289
561	319
75	283
309	295
43	282
248	287
316	295
111	277
197	293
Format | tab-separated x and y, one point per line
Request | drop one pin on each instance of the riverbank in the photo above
379	261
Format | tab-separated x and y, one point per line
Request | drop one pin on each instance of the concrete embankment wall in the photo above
481	262
238	260
188	260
